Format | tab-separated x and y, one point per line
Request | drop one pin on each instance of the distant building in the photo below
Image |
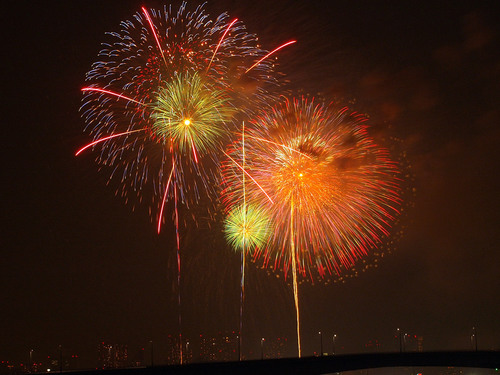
52	363
208	349
276	348
451	371
223	347
137	358
173	350
228	347
6	367
373	346
112	356
59	361
413	343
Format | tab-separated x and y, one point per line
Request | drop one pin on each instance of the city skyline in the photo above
222	347
81	267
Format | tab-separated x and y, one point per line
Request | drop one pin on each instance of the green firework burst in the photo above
191	112
247	226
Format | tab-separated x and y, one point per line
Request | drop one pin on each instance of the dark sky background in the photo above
79	266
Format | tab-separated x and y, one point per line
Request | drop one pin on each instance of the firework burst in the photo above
330	191
191	115
161	101
247	227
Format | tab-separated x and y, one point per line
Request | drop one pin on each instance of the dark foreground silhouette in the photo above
320	365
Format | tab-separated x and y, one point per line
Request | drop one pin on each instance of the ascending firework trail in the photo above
246	228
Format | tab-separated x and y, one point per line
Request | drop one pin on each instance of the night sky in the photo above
79	266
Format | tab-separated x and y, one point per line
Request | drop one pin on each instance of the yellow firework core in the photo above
187	122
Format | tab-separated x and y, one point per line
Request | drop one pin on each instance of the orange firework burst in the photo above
331	191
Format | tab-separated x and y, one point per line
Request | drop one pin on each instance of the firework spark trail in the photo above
281	145
330	208
269	54
242	299
242	293
294	277
165	196
246	228
144	10
178	254
220	42
105	139
253	179
96	89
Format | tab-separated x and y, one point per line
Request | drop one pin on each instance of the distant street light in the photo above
31	361
152	352
473	339
320	343
333	344
262	348
400	343
404	342
238	337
